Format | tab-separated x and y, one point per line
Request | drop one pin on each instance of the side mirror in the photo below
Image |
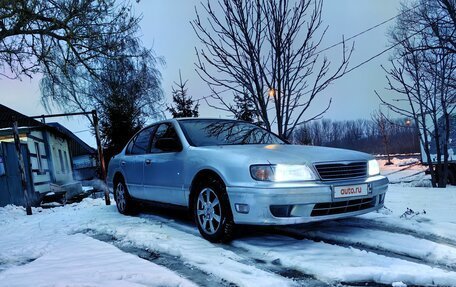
168	144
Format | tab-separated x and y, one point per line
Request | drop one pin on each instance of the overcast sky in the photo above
166	28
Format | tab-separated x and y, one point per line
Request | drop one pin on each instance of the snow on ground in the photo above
407	170
332	263
438	203
79	260
33	238
411	241
423	254
404	244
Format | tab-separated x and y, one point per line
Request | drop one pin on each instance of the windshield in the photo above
226	132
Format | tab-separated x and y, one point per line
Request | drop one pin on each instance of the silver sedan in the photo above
230	172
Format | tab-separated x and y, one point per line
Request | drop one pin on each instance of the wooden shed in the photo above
46	156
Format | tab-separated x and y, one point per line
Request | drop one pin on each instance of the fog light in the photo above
242	208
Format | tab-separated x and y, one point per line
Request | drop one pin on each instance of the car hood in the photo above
290	154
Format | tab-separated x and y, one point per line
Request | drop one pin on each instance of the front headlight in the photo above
281	172
373	167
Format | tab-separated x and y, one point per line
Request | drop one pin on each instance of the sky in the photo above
165	27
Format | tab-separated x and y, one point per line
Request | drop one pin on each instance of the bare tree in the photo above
268	50
40	36
362	135
384	127
302	136
439	18
422	75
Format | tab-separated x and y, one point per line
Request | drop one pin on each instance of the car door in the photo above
133	162
163	170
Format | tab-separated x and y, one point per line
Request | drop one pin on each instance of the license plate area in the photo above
347	191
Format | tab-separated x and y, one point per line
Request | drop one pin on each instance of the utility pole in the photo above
17	143
101	157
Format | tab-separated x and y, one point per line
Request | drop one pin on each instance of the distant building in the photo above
83	156
46	151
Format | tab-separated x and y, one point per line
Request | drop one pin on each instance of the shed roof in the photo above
8	116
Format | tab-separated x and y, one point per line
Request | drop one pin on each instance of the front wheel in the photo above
212	213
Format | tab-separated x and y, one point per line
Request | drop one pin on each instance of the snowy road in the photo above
90	244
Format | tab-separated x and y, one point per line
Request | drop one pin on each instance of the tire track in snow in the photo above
317	236
275	266
299	277
373	224
343	266
289	271
147	233
5	264
173	263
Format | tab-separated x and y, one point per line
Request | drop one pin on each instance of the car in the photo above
229	172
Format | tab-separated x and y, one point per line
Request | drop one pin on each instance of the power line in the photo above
211	95
389	48
367	30
83	131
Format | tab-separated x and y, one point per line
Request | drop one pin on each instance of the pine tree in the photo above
184	106
244	110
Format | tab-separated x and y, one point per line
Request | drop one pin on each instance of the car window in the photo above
163	131
141	143
130	145
226	132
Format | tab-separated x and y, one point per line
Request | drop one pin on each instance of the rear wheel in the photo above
124	203
212	212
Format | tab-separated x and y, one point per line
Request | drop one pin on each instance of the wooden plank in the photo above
17	143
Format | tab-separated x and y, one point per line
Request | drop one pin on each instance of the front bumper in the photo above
301	200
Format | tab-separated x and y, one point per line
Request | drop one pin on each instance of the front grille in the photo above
330	208
335	171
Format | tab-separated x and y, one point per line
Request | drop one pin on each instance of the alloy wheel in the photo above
209	211
120	197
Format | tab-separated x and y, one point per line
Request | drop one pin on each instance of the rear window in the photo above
140	144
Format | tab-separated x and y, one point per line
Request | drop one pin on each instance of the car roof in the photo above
218	119
187	119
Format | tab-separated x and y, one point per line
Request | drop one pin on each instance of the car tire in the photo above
212	212
451	178
124	202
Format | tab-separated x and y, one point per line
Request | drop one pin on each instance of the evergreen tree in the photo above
184	106
244	109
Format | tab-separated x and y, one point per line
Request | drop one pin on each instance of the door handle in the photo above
147	161
122	163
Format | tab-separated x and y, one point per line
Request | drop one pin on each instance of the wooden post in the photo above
101	157
17	143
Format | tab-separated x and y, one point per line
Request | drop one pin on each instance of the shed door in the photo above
10	183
